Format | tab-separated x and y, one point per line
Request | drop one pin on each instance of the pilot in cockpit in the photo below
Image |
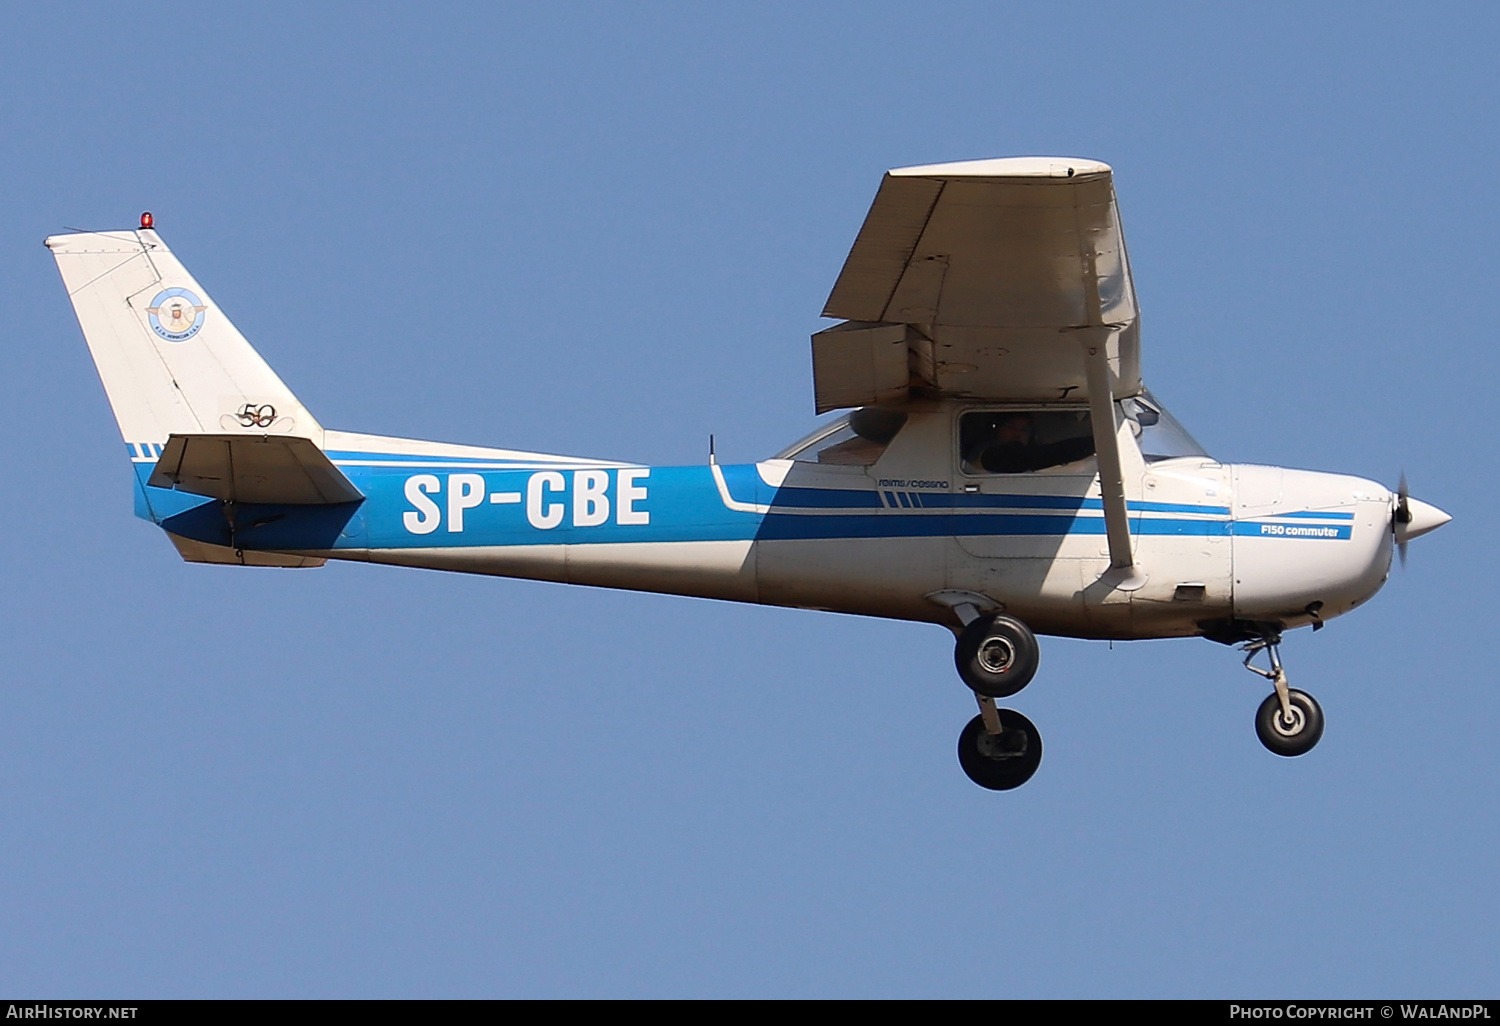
1007	443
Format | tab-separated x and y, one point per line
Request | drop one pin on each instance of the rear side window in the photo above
857	440
1022	441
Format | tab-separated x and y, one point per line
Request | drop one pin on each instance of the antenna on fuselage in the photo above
712	459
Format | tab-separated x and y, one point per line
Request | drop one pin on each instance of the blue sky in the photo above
607	230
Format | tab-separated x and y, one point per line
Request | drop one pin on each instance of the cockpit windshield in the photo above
855	440
1159	434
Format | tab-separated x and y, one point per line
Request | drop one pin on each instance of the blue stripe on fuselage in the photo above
822	498
1308	514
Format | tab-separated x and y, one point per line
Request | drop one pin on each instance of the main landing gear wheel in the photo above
1294	736
997	656
1000	762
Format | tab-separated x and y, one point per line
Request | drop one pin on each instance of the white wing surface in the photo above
980	280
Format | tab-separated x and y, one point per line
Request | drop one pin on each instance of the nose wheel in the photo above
1289	735
1289	722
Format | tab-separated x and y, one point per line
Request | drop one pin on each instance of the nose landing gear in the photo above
997	656
1289	722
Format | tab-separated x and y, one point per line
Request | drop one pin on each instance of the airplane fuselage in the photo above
1219	544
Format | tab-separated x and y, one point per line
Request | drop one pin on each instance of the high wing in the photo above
980	280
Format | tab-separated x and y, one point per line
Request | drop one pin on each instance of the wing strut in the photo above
1107	447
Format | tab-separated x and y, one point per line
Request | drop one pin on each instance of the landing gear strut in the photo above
997	656
1289	722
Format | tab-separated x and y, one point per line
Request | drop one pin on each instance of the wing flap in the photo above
856	364
278	469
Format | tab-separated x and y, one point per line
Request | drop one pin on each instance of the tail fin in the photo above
171	362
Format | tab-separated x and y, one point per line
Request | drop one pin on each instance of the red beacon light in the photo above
147	221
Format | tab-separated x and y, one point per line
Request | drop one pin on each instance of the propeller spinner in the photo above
1412	518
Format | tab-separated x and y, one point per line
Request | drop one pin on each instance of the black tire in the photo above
997	655
1296	738
1004	761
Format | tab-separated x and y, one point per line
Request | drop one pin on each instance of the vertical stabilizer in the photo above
171	362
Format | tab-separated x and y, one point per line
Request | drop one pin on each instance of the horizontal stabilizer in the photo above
278	469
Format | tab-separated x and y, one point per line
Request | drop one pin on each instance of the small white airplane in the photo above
1004	472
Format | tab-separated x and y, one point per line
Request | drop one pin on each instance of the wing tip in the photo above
1007	167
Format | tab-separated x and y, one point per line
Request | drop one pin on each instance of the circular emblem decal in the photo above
176	314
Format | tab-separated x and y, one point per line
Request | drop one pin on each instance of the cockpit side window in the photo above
1023	441
857	440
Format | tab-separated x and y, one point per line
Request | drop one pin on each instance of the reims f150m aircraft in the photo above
1004	471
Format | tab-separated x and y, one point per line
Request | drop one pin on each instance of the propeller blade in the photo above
1401	515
